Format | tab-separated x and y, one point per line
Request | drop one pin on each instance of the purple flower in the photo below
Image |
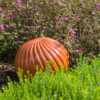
1	8
66	18
17	39
75	41
15	25
36	8
9	17
80	50
55	7
10	10
73	32
75	38
24	7
58	38
17	42
21	14
31	27
56	25
51	27
95	17
18	8
13	15
81	1
1	26
52	1
90	34
20	5
75	29
56	22
26	26
43	30
2	14
93	12
60	3
10	27
77	16
55	17
98	7
31	15
37	20
18	1
63	19
45	3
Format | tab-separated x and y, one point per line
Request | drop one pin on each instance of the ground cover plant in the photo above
81	83
76	24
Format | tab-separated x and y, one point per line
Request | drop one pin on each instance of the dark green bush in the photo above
74	23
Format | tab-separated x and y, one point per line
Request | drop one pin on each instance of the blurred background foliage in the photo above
74	23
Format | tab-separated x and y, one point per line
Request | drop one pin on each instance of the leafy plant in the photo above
74	23
82	82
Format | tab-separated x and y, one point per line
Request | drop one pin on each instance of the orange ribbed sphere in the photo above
37	52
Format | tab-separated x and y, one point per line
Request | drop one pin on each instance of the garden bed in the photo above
7	69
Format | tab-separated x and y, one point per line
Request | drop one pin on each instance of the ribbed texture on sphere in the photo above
37	52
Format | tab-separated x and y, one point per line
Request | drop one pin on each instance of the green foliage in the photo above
76	23
81	83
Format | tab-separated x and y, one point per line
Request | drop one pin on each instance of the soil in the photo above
7	69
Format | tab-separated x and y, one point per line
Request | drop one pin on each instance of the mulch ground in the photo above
7	69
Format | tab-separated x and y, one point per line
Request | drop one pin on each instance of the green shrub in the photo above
73	23
81	83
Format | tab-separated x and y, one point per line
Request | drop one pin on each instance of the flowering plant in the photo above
75	24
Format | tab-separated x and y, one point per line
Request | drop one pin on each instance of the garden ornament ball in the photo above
37	52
